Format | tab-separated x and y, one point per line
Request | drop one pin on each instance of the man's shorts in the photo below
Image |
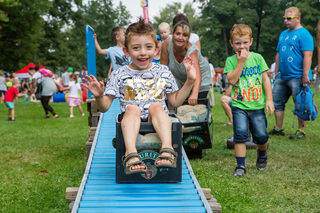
2	93
10	105
253	120
283	89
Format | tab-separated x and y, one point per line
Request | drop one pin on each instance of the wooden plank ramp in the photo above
99	191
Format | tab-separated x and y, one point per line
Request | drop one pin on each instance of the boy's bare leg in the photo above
162	124
240	149
12	114
130	126
263	147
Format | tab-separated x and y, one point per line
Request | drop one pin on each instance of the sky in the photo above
135	9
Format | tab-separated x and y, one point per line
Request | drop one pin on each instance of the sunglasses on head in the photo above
289	18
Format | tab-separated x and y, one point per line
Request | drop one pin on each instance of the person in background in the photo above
164	31
226	103
9	98
3	87
82	75
65	78
293	62
49	88
174	51
156	58
193	38
251	94
74	98
115	53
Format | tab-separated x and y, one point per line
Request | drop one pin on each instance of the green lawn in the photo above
40	157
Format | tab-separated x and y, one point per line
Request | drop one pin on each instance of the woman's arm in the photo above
197	83
164	56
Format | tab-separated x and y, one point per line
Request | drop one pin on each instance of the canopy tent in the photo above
23	73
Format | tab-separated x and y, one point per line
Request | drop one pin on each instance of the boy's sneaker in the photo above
274	131
261	163
71	116
298	135
240	171
82	114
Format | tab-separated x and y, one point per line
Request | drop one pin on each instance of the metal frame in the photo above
87	171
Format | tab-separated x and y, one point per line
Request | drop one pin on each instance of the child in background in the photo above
75	95
142	88
115	53
3	87
251	94
164	30
9	97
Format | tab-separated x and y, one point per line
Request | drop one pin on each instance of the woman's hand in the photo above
193	99
95	87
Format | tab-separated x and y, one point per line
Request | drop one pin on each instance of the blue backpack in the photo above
305	108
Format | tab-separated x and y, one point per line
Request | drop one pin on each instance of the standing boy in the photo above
115	53
142	88
9	97
293	62
251	93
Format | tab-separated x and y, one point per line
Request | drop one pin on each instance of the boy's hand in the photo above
270	107
243	55
91	83
191	72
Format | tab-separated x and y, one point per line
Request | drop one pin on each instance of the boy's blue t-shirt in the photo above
290	47
117	57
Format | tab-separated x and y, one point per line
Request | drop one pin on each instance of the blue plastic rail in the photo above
99	191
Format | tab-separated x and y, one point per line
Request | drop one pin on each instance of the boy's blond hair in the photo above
15	81
240	30
115	31
139	28
293	10
164	25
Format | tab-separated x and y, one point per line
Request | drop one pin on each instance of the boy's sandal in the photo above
172	158
128	166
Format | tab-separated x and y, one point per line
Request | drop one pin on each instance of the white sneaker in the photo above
82	114
71	116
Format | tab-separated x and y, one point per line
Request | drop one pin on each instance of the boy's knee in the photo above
133	109
156	108
261	140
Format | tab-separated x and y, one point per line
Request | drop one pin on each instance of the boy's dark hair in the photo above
179	17
140	28
115	31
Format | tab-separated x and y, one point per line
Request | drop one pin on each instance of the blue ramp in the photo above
99	191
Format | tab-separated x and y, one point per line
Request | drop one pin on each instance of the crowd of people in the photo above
41	86
146	70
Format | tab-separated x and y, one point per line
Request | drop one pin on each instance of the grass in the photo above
289	184
40	157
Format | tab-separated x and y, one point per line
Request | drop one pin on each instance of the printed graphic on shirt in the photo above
121	61
141	88
249	86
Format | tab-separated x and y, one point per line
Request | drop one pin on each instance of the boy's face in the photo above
164	32
241	43
141	49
